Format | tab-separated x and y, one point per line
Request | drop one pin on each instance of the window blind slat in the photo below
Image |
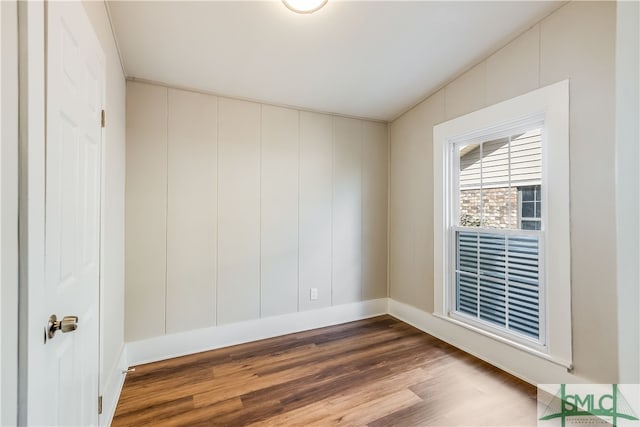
467	294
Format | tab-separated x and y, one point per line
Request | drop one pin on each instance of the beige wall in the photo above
575	42
235	209
113	164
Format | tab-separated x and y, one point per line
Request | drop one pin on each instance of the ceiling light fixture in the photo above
304	6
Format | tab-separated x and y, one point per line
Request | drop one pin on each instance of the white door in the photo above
75	80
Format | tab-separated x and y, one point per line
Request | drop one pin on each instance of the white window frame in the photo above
549	105
452	169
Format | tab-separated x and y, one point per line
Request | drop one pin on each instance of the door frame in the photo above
32	58
9	211
31	29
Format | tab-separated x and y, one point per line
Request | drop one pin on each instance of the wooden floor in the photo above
376	372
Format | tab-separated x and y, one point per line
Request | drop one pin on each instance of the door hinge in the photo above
103	119
99	405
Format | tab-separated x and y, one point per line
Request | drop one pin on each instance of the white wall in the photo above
235	210
575	42
8	212
112	241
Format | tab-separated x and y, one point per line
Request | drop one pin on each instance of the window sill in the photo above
564	363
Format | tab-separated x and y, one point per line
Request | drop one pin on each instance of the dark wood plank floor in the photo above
376	372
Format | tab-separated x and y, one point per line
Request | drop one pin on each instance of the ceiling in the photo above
370	59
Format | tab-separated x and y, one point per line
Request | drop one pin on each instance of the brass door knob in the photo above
67	324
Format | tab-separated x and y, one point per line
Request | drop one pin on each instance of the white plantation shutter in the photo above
524	284
497	280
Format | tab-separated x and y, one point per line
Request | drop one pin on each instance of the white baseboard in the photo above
112	388
521	364
180	344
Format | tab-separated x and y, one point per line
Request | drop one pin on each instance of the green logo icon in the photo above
602	405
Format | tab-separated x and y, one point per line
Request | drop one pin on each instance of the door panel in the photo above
75	78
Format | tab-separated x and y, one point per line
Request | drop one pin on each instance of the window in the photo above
501	224
497	257
529	200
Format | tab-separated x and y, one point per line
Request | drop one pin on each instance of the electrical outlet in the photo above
314	294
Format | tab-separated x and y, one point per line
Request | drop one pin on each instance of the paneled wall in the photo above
576	42
347	211
146	212
236	210
315	208
279	211
192	200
